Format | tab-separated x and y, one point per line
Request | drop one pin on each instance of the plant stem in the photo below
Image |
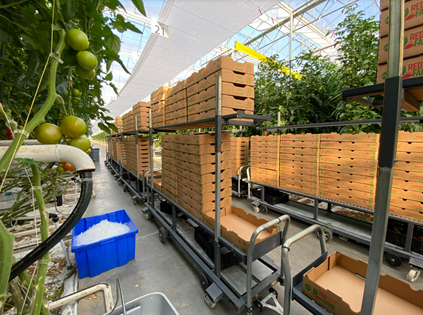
17	297
42	263
39	117
6	257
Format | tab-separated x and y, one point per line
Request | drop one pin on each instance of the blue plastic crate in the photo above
93	259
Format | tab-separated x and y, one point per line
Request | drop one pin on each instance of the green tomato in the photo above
48	134
60	169
76	92
77	39
82	143
86	60
73	127
85	74
76	100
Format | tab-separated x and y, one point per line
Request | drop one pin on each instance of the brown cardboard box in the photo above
368	180
263	147
176	106
237	226
349	169
298	170
204	207
301	151
344	145
406	204
264	172
409	176
412	68
299	188
167	174
205	188
409	166
347	184
201	149
413	17
360	137
300	144
200	139
202	179
337	285
176	121
170	188
203	198
404	136
203	169
407	194
263	180
347	199
410	147
169	194
413	215
181	85
268	139
329	159
245	104
227	76
176	114
201	159
300	175
299	182
212	113
347	192
299	157
349	153
227	89
413	44
300	137
313	166
410	156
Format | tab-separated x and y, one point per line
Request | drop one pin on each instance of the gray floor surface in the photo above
163	268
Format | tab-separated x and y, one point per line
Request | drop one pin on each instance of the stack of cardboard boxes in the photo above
176	105
128	122
140	113
170	168
118	124
348	168
265	160
158	113
195	157
117	150
240	149
299	157
131	154
237	89
413	40
407	187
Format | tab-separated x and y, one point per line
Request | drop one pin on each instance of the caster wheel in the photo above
163	235
271	290
393	260
259	306
413	275
148	215
263	209
328	234
204	282
209	302
134	201
125	189
256	209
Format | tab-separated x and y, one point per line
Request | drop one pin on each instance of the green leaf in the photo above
140	6
33	62
112	42
113	127
103	127
109	77
108	118
70	9
27	161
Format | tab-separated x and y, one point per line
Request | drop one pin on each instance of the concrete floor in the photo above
163	268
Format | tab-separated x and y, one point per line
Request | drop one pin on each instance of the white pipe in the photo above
105	287
56	153
6	143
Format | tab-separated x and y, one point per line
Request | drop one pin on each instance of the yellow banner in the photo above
258	56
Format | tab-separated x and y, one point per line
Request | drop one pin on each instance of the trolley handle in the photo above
276	222
285	260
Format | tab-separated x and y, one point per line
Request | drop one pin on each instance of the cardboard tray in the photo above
337	285
237	226
202	159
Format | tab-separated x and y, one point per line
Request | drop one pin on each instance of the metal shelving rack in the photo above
256	274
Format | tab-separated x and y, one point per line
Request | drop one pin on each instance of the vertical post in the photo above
121	152
151	158
291	22
409	237
316	210
218	144
173	217
138	159
387	152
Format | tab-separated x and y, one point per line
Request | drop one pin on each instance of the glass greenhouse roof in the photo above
312	29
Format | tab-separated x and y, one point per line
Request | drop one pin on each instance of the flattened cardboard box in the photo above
237	226
202	159
271	182
299	188
301	151
360	137
407	194
206	188
176	106
413	215
300	137
410	156
176	114
371	189
265	138
355	162
264	172
300	144
245	104
160	90
170	188
205	207
337	285
298	169
349	169
347	192
299	175
368	180
413	44
227	89
409	176
415	147
344	145
203	169
212	114
177	88
300	158
409	166
169	194
406	204
200	139
264	148
176	121
298	181
347	199
203	179
404	136
190	208
166	174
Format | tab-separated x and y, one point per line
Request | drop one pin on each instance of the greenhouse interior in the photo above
169	157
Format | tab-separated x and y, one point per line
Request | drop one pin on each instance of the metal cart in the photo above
240	190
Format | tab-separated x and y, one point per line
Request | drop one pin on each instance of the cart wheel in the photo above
209	302
271	290
125	189
256	208
328	234
413	275
204	282
163	235
148	215
393	260
263	209
259	306
134	201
